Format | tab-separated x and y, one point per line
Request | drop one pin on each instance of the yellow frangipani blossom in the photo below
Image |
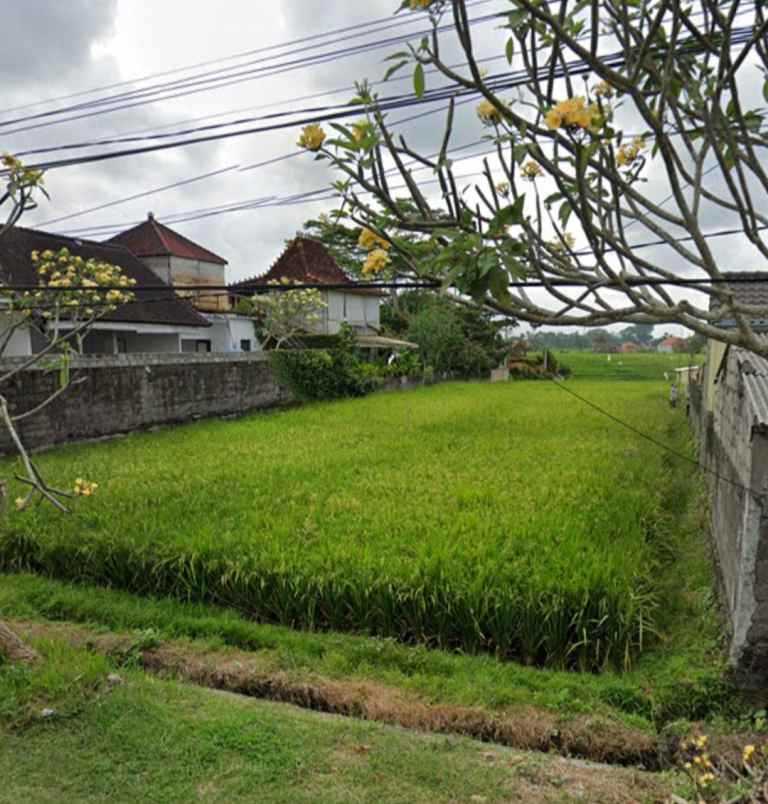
568	241
629	152
312	137
377	260
604	90
572	113
21	503
747	754
488	113
502	188
531	171
84	488
419	4
370	240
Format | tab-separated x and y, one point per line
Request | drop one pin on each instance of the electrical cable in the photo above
651	439
326	34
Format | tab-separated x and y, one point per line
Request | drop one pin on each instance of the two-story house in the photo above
308	261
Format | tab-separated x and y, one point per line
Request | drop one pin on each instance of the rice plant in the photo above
509	518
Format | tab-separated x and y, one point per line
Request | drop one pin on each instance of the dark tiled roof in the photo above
161	306
751	294
153	239
306	261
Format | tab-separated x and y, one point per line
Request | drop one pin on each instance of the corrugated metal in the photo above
754	372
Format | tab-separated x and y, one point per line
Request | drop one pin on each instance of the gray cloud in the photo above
53	48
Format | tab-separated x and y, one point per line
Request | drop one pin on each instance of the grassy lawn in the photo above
161	741
634	366
510	518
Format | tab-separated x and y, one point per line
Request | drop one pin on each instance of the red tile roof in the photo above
672	341
153	239
160	306
306	261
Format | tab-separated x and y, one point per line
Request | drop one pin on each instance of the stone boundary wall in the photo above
125	393
734	453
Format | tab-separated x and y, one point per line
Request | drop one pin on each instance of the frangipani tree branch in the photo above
675	73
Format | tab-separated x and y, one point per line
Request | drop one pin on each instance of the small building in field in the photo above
628	347
687	374
306	261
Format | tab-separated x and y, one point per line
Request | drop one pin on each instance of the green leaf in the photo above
499	284
418	81
765	90
519	152
565	212
394	68
511	49
508	215
586	154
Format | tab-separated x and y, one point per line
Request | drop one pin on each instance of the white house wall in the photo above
20	343
361	312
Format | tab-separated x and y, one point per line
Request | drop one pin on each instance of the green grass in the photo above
634	366
509	518
161	741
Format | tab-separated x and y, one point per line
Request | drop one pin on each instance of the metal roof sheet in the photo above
754	371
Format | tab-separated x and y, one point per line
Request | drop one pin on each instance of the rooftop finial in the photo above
151	216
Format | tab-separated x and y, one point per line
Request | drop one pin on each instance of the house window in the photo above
122	345
245	345
202	346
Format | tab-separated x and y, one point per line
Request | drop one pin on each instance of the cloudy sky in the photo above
59	49
54	52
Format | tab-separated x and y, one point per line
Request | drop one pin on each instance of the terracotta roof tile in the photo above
306	260
161	306
153	239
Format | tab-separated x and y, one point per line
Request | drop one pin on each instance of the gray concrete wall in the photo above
130	392
735	455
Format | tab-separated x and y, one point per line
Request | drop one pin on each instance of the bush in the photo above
313	374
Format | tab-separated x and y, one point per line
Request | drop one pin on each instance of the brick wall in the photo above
124	393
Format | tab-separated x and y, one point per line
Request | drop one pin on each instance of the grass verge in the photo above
161	741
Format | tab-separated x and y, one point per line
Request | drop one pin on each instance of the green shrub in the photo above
314	374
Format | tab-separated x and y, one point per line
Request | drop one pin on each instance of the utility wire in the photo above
366	26
639	281
682	456
189	86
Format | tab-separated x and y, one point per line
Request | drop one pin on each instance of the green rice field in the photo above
633	366
509	518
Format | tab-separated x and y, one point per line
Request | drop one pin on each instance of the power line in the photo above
441	94
651	439
270	48
196	84
526	284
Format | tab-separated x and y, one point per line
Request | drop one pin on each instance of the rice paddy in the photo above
509	518
632	366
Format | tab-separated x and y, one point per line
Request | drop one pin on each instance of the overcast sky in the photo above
51	49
